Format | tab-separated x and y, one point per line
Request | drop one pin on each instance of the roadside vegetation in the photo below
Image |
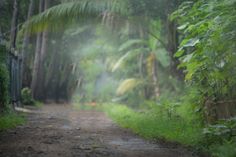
158	123
11	120
155	124
179	124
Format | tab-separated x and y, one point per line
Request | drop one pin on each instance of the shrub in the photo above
223	130
26	97
227	149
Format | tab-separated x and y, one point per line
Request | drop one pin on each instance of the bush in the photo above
223	130
227	149
26	97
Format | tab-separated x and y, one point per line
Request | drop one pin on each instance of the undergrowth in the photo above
155	124
11	120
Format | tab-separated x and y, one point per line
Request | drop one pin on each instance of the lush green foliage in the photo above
207	55
207	51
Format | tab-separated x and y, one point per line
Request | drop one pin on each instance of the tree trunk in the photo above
172	47
172	37
156	92
14	25
45	35
41	79
37	58
24	74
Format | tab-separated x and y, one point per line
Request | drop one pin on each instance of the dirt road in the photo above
61	131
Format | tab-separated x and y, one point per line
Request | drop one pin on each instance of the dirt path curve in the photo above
61	131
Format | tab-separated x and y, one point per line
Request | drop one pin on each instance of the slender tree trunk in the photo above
43	52
45	35
173	38
37	58
156	92
14	25
172	47
24	74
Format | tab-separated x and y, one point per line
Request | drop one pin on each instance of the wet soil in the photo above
61	131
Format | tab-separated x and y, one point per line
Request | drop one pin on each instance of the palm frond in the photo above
122	59
68	12
128	44
119	62
127	85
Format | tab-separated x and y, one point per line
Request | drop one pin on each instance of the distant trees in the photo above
150	44
73	10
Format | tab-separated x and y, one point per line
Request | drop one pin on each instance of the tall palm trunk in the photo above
24	74
37	58
41	75
45	35
14	25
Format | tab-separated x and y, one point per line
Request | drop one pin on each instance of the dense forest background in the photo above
174	59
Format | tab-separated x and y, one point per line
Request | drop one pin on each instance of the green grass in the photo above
11	120
152	124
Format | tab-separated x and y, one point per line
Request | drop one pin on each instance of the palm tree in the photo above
62	14
37	57
25	48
